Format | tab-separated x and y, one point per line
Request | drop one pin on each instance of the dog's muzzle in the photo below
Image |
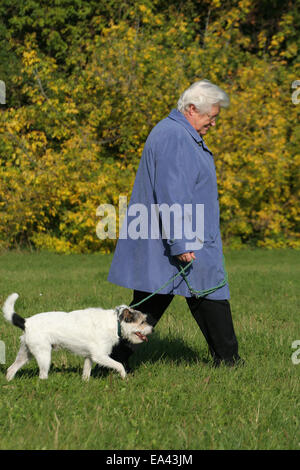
141	336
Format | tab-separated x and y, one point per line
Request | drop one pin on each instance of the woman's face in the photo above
202	122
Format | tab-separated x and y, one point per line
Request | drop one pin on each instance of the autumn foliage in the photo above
87	80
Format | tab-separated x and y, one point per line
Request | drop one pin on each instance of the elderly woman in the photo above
177	171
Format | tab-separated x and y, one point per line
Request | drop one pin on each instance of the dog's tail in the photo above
9	312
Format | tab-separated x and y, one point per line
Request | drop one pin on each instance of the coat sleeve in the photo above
175	179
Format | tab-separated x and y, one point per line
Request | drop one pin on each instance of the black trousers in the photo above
212	316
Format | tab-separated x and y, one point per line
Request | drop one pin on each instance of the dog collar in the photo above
119	329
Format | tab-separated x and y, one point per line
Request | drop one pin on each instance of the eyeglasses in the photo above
212	118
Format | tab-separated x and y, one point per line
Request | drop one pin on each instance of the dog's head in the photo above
135	325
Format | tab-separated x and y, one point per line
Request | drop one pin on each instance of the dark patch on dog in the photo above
18	321
127	316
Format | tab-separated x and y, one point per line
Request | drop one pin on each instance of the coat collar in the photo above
181	119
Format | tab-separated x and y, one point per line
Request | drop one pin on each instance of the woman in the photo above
177	172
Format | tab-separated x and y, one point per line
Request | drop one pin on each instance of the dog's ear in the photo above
127	315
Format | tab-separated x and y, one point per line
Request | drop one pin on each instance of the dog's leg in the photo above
87	367
107	361
42	354
22	358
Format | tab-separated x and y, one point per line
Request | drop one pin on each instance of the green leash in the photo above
197	293
119	329
202	293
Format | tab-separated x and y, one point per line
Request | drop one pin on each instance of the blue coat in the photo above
176	167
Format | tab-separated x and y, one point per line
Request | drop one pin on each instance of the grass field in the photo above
175	399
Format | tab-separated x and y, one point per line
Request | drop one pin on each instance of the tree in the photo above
87	82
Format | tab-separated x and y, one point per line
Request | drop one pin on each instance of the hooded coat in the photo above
176	171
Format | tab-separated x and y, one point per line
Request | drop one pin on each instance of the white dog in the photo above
90	333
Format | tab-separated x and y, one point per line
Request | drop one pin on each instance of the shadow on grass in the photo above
32	371
172	349
169	349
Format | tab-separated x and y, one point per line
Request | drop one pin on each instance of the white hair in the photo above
203	95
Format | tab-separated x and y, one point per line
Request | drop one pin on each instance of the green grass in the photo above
175	400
